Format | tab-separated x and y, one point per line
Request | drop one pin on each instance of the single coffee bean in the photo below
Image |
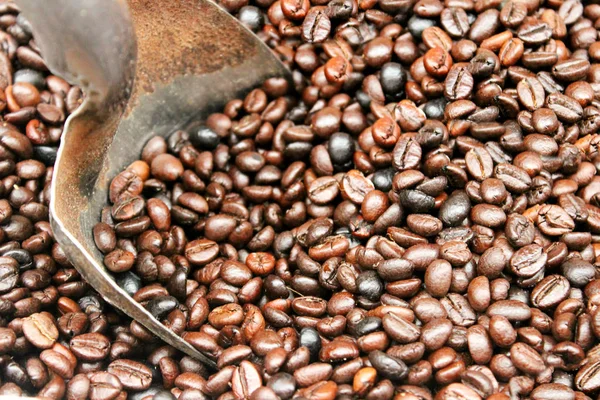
388	366
132	375
550	291
90	346
571	70
104	385
40	330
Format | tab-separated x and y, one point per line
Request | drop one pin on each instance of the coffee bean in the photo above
393	78
549	390
311	374
536	32
488	215
9	273
58	363
571	70
457	391
417	201
78	386
519	230
458	84
395	269
479	163
323	190
90	346
455	21
73	323
355	186
550	291
40	330
566	108
104	386
526	359
105	238
531	93
553	220
438	278
387	366
160	306
501	331
513	310
399	329
337	351
132	375
201	252
316	26
245	379
407	154
458	309
528	261
514	178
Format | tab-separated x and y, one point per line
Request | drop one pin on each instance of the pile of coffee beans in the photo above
415	217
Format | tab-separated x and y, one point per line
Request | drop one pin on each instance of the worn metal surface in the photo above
186	59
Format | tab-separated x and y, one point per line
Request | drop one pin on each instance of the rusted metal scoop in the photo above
147	68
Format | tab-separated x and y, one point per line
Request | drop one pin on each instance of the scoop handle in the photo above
90	43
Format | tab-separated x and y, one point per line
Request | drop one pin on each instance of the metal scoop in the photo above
147	68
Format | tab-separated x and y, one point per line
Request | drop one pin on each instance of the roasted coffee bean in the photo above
552	390
323	190
40	330
514	178
479	163
455	209
528	261
571	70
399	329
519	230
407	154
438	278
526	358
160	306
459	83
550	291
104	385
531	93
577	271
455	21
513	310
201	252
90	346
132	375
316	26
417	201
458	309
553	220
566	108
9	273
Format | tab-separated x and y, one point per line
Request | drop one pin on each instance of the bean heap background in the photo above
416	217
